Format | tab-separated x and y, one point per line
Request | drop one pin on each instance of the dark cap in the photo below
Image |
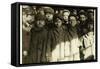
66	10
90	11
82	12
28	9
58	16
49	10
40	17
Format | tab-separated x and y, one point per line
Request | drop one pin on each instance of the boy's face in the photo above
40	23
58	23
65	16
82	18
41	11
73	21
91	16
30	18
49	16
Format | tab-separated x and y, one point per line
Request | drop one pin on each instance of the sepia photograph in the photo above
56	34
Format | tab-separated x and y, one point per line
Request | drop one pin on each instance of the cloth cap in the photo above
48	10
40	17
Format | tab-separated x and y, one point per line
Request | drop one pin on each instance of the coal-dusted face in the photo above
82	17
91	16
65	16
40	23
58	22
73	21
30	18
49	16
28	14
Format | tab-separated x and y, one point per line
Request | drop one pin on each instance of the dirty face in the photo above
28	14
91	16
65	16
30	18
58	22
82	17
40	23
73	21
49	16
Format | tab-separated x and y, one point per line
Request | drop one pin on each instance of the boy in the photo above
27	23
88	42
74	40
49	13
65	14
57	35
38	41
83	24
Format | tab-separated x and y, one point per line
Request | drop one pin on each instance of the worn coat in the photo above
74	43
37	48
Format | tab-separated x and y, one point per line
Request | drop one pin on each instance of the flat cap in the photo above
90	11
40	17
58	16
48	10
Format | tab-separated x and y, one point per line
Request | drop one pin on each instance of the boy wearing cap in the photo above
27	23
57	35
91	14
86	36
83	24
38	41
88	42
65	14
49	13
74	40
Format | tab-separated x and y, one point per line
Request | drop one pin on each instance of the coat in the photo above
55	42
74	43
37	48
